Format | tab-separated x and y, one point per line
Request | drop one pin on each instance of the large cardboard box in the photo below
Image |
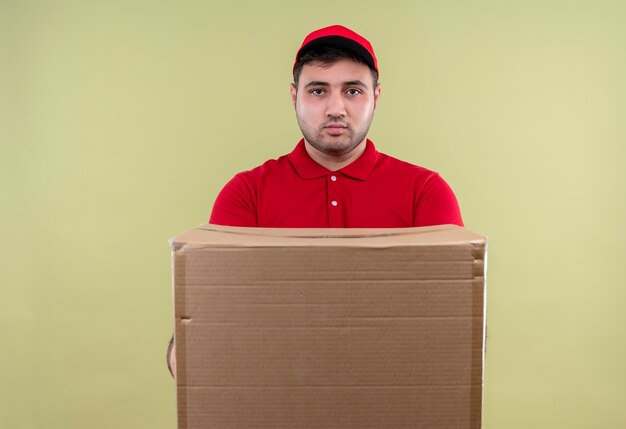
329	328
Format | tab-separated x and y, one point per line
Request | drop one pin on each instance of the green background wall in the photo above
121	120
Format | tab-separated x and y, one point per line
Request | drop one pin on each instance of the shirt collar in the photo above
359	169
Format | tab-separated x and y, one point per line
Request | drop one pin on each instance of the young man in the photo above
335	177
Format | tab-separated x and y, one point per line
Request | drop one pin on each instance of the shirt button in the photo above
333	178
334	203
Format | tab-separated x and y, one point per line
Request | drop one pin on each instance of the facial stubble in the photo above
334	145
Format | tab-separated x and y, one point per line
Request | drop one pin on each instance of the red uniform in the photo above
375	191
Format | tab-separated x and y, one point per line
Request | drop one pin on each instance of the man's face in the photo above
335	105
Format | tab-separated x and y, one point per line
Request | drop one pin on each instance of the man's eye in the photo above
353	91
317	91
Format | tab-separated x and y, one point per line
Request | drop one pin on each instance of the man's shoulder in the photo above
270	166
400	166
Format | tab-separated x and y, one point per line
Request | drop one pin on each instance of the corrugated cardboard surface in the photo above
299	328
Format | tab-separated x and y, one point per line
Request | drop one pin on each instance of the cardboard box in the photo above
329	328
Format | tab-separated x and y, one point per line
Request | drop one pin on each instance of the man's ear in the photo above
377	93
294	93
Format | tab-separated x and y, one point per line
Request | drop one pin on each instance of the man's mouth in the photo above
335	129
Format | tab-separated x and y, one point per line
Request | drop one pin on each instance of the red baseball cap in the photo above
340	36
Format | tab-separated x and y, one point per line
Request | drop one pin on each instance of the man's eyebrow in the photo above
348	83
316	83
355	83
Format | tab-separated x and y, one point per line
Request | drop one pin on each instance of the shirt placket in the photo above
335	203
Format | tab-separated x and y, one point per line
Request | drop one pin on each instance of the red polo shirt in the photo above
375	191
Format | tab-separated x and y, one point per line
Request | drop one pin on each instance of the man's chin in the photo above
335	146
337	150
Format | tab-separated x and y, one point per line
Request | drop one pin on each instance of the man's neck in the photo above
335	162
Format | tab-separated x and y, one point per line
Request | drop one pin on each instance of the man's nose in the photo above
336	106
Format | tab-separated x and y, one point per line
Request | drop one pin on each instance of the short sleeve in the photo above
436	204
235	205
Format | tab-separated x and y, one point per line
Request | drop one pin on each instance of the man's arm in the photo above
436	204
236	203
235	206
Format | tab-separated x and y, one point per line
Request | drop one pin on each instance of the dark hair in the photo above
327	56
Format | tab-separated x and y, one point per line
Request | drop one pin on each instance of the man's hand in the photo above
171	357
